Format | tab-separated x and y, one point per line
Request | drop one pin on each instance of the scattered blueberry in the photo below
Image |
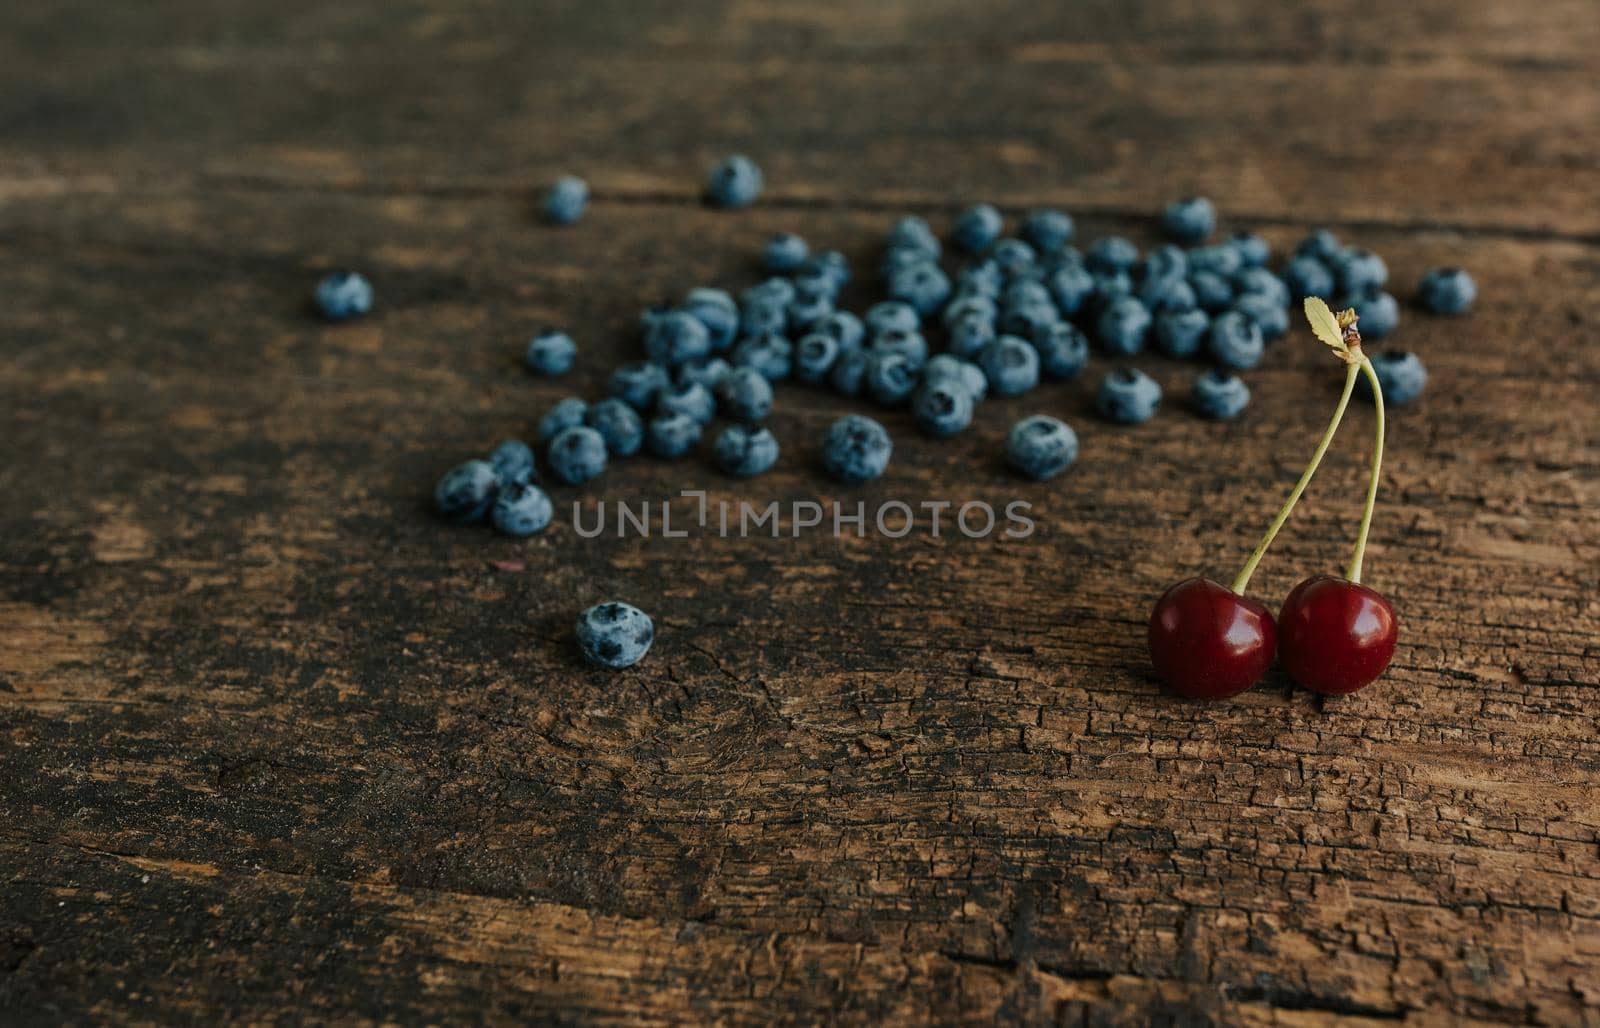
1211	290
1048	231
522	510
672	435
849	373
1235	341
890	376
1013	257
1261	280
1011	365
968	374
550	353
769	353
914	233
1253	251
745	451
1360	271
977	228
1401	374
467	491
1112	253
343	295
1128	396
1167	293
1220	259
615	635
814	356
715	310
1121	328
785	253
910	345
576	455
638	383
1322	245
1180	333
746	395
1029	319
856	449
1070	286
564	415
891	315
566	200
806	311
512	462
677	337
921	286
975	304
1041	447
980	278
692	399
1063	350
1447	291
1220	395
619	425
1189	221
1306	276
1165	261
970	335
708	373
942	407
846	329
736	182
1268	312
831	263
1379	313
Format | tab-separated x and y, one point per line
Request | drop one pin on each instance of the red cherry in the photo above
1208	642
1338	636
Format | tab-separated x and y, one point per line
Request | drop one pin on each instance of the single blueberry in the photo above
1128	396
692	400
1025	292
1235	340
1253	251
1063	350
1108	286
1447	291
1180	333
980	278
550	353
891	315
810	285
914	233
775	290
942	407
1165	261
1379	313
716	310
1269	314
1014	258
814	356
1321	244
522	510
615	635
806	312
1048	231
969	336
1211	291
562	416
923	287
949	366
672	435
845	328
745	450
1360	271
638	383
1401	375
1221	259
1307	276
910	345
576	455
1070	286
708	373
890	376
977	228
1113	253
1190	221
1172	293
770	353
898	258
1261	280
342	295
784	253
1011	365
1029	319
831	263
1041	447
675	338
971	303
566	200
1122	326
856	449
849	373
467	491
736	182
512	461
1220	395
746	395
763	318
618	424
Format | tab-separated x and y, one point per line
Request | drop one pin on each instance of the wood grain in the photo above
280	746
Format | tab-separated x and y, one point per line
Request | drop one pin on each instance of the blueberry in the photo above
814	284
1165	261
1108	286
977	228
1379	313
1261	280
769	353
1220	395
897	259
814	356
1063	350
1180	333
760	319
1121	328
618	424
1025	292
1128	396
576	455
512	462
1029	319
1235	340
969	336
1014	258
1113	253
566	200
550	353
1307	276
746	395
849	373
784	253
1253	251
675	338
980	278
910	345
776	291
913	233
805	312
467	491
1211	291
1011	365
831	263
343	295
845	328
1221	259
522	510
1401	375
564	415
1171	293
891	314
1041	447
923	287
948	366
672	435
638	383
1321	244
692	400
971	303
1189	221
744	450
856	449
736	182
615	635
942	407
1070	286
716	310
1360	271
890	376
708	373
1447	291
1268	312
1048	231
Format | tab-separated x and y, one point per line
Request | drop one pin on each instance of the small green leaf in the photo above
1324	324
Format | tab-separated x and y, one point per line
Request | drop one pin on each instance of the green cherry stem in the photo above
1360	552
1239	583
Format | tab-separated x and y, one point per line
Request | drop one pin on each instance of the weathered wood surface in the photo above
280	746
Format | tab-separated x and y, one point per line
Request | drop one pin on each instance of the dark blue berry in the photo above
692	400
924	287
1359	271
784	253
512	462
1447	291
1307	276
618	424
1253	251
1165	261
1029	319
1379	313
980	278
1171	293
969	375
708	373
769	353
845	328
1071	286
1014	258
1128	396
913	233
1011	365
969	336
615	635
343	295
891	315
1261	280
775	291
849	373
831	263
746	395
942	407
806	312
1041	447
736	182
638	383
1211	291
814	356
856	449
1180	333
562	416
566	200
1219	395
576	455
1221	259
550	353
746	450
1401	375
1113	253
1122	326
977	228
1235	341
1063	350
761	319
716	310
1268	312
672	435
1109	286
522	510
1189	221
910	345
972	303
1048	231
1321	244
890	376
677	337
467	491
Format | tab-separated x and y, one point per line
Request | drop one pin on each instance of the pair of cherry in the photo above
1334	635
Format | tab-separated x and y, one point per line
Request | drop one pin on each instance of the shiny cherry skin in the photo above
1337	636
1208	642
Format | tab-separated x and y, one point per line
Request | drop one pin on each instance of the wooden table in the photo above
280	746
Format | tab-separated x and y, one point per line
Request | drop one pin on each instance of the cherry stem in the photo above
1249	568
1360	552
